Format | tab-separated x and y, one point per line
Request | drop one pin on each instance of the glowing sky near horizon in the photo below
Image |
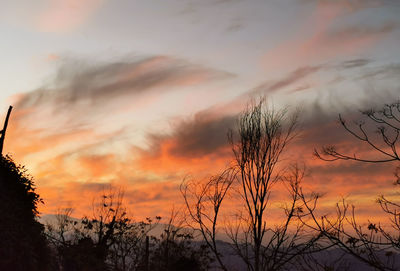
141	93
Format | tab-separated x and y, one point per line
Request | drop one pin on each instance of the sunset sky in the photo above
141	93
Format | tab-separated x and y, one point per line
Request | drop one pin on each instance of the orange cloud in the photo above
69	154
163	161
141	200
151	180
73	162
196	146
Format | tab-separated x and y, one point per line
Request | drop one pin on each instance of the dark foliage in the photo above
111	240
22	242
176	251
83	256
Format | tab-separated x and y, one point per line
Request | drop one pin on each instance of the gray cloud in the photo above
293	77
76	81
235	25
301	73
321	126
205	134
390	70
355	63
360	31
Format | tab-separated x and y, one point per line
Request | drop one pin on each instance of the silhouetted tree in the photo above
262	135
385	123
22	241
373	244
262	139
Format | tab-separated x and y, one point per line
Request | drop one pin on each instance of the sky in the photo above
140	94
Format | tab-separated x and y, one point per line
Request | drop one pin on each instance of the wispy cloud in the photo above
386	71
328	40
77	80
355	63
288	80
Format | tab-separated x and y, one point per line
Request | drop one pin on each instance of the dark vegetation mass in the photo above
23	244
301	239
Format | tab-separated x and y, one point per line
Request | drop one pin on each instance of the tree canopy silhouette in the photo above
22	242
23	245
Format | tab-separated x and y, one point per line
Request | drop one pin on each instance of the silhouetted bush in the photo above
176	251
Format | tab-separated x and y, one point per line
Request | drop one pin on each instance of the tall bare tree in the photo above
284	240
263	134
258	143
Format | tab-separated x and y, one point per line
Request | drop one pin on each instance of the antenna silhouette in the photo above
3	132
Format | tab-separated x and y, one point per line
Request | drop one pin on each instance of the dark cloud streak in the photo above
355	63
78	81
204	135
293	77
